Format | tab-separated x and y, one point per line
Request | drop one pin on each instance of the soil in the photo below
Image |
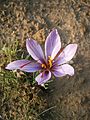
67	98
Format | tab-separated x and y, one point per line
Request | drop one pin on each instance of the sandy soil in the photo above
67	98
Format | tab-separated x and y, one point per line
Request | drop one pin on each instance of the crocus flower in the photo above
53	62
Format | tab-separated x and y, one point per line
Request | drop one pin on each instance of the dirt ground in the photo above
67	98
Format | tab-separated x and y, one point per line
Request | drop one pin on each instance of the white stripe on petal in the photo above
35	50
67	54
24	65
63	70
52	44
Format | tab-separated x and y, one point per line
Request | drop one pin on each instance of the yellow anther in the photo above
43	66
50	58
49	61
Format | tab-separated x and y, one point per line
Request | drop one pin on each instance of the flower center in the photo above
49	63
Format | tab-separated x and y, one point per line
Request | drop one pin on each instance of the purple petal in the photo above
43	77
35	50
67	54
52	44
63	70
24	65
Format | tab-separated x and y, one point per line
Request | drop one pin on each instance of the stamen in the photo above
50	58
50	61
43	66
